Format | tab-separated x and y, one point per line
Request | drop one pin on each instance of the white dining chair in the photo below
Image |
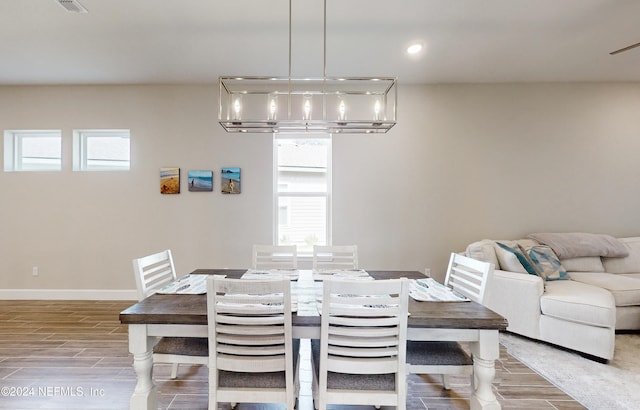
152	273
335	257
274	257
252	353
360	357
468	277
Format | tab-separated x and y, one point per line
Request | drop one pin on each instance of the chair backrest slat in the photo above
153	272
274	257
468	276
335	257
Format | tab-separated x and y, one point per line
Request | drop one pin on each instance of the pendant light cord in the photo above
324	62
290	1
324	46
289	99
324	75
324	39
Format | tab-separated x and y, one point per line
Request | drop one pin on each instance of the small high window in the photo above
101	150
32	150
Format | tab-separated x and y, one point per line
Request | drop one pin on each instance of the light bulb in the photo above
237	108
376	110
306	108
342	109
273	107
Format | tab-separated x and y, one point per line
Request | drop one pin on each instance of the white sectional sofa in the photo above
592	291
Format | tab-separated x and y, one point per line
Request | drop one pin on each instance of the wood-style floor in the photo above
74	355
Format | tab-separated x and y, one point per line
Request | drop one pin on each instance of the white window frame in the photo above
296	194
81	162
13	150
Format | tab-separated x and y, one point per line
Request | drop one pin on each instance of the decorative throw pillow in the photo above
546	263
538	260
520	255
507	259
576	244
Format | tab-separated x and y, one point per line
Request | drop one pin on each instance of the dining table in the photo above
185	315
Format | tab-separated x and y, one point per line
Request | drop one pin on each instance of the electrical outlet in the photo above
35	271
427	272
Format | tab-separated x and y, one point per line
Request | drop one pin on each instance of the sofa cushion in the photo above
483	251
628	264
537	260
578	302
625	289
583	264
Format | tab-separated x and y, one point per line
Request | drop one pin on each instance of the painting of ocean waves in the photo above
200	181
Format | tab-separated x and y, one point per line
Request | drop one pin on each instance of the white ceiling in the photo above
195	41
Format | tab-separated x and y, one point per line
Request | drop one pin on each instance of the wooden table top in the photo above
192	309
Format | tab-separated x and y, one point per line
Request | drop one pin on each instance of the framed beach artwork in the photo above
170	180
230	180
200	181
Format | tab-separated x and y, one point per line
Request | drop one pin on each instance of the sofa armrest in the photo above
516	296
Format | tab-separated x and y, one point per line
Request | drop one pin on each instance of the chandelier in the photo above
307	105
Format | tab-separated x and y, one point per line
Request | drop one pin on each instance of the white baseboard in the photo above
67	294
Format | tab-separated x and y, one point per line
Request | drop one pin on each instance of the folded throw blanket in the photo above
577	244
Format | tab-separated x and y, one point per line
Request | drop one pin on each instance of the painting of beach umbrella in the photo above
170	180
230	180
200	181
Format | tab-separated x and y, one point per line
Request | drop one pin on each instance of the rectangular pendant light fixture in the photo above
307	105
335	105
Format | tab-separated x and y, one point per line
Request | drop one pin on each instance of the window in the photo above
302	181
33	150
101	150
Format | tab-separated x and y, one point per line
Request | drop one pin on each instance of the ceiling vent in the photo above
73	6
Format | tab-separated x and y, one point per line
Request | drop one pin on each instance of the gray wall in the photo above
465	162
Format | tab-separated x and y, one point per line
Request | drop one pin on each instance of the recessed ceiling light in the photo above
414	48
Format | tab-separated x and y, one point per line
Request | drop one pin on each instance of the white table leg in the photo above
141	346
485	352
